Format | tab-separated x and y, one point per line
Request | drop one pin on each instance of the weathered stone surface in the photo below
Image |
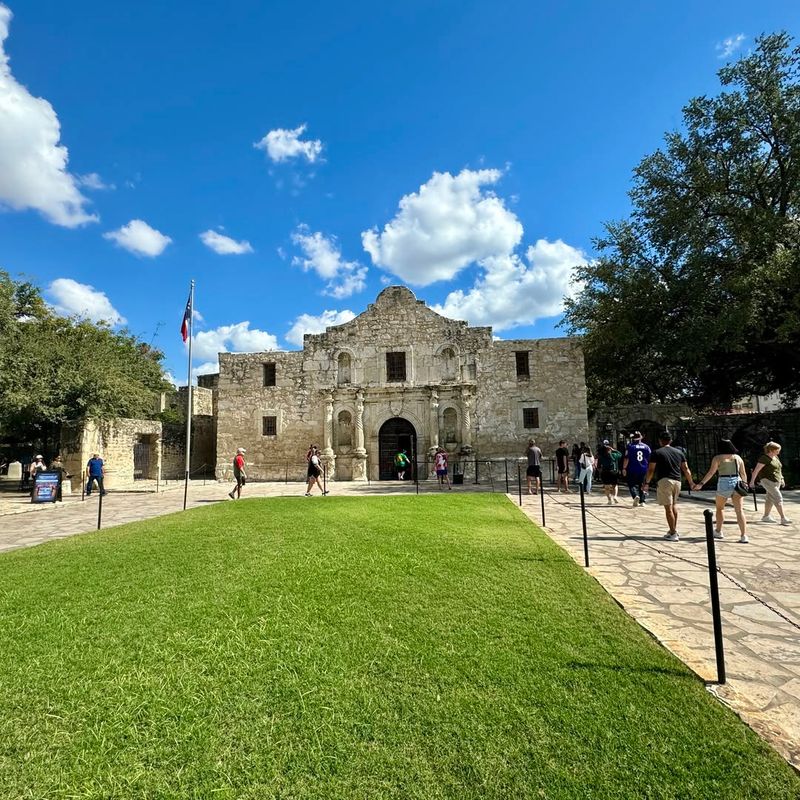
461	390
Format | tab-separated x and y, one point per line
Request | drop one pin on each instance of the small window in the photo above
523	364
530	417
269	374
344	375
270	426
395	366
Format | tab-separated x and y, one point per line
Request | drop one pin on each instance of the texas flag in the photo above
187	318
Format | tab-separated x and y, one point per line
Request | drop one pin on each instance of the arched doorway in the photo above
396	434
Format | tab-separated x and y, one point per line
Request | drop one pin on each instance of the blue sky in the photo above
295	158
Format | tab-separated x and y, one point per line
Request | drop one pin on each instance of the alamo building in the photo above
399	376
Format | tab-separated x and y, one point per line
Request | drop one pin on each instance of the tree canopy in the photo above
54	369
696	296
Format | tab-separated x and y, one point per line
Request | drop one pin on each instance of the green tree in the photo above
54	369
695	298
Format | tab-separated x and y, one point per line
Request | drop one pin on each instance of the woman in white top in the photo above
730	470
586	464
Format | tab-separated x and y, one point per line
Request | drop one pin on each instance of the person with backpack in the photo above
608	461
239	474
401	464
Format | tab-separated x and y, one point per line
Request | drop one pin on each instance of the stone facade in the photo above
398	376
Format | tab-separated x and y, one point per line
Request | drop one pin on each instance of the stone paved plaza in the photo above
667	595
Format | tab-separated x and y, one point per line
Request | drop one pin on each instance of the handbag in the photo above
741	488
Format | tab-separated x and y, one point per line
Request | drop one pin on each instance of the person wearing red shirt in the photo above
239	474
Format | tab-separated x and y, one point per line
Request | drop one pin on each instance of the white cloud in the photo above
224	245
511	292
283	145
306	323
71	298
324	257
139	238
33	165
237	338
450	223
727	47
93	181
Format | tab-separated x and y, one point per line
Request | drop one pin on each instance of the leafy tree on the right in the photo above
696	296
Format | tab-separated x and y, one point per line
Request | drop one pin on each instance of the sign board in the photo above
45	488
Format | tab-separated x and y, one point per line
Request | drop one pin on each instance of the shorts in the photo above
314	471
240	480
609	477
534	471
667	492
441	472
773	490
726	485
563	470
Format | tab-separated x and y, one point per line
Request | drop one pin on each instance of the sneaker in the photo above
230	494
768	519
786	522
744	540
672	536
308	494
719	535
324	493
616	499
636	502
609	501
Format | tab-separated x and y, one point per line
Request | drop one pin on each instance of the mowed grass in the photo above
392	647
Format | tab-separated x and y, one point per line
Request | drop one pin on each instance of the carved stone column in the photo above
328	455
434	421
359	454
466	424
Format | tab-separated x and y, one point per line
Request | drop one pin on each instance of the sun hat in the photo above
241	450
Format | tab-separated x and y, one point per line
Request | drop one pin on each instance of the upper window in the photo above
269	374
269	426
523	364
530	417
395	366
448	364
344	369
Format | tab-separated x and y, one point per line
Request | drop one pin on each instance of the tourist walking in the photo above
239	474
730	469
634	467
562	466
440	465
96	471
576	457
401	462
608	460
770	472
586	464
314	472
667	464
534	471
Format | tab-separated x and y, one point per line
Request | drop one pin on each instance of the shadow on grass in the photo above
678	673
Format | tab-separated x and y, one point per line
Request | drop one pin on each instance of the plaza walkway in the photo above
663	585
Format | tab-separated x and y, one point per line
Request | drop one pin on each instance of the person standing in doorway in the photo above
314	472
95	469
239	474
534	471
667	464
401	463
562	466
440	465
634	467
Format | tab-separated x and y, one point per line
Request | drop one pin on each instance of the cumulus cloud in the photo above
511	292
306	323
33	165
237	338
323	256
450	223
224	245
139	238
284	145
71	298
727	47
93	181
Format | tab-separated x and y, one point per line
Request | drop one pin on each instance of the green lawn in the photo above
391	647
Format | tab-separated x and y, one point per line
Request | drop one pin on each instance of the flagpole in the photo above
189	400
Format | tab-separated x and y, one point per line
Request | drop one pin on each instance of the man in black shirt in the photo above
667	463
562	465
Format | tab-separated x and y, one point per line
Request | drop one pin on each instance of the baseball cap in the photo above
605	441
637	434
241	450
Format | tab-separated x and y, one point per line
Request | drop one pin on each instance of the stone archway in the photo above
394	435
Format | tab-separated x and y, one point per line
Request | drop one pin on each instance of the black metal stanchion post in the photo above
100	509
476	471
83	486
505	464
755	501
541	494
585	534
324	479
519	485
714	587
185	489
